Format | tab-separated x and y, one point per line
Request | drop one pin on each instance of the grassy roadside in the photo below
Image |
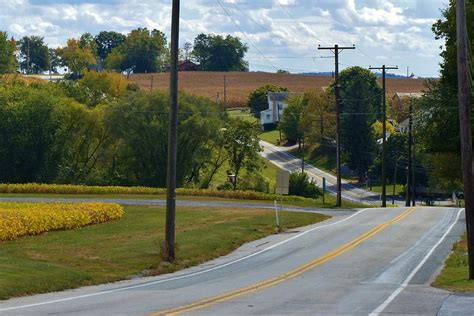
454	276
130	247
271	137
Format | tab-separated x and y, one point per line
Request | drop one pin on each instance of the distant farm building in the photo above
184	65
276	104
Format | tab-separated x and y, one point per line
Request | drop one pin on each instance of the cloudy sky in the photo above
281	34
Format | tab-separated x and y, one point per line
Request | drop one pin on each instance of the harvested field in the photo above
240	84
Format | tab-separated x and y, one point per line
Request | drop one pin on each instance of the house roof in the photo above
278	96
409	95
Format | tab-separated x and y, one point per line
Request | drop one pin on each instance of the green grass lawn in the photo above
321	157
271	137
242	113
130	247
454	276
378	188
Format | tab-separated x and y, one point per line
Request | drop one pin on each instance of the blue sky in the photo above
281	34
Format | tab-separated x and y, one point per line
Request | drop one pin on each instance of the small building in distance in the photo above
276	104
184	65
401	103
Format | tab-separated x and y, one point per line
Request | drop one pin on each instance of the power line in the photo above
244	34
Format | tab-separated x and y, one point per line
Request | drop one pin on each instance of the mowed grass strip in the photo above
455	274
130	247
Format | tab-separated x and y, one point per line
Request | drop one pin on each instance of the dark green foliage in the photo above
107	41
258	101
8	63
301	185
290	123
242	146
361	96
438	115
140	124
34	55
142	51
218	53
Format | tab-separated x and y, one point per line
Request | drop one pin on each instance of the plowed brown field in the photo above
240	84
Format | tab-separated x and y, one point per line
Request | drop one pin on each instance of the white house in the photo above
276	105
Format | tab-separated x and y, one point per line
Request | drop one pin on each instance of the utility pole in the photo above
413	179
409	172
225	93
336	49
465	128
395	178
173	136
384	131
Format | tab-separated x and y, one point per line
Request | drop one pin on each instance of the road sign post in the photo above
282	187
324	189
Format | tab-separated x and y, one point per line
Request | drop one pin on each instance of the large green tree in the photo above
437	114
76	56
290	123
218	53
139	122
34	55
258	100
8	63
360	98
106	41
242	145
142	51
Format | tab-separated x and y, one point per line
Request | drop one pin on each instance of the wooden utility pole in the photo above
409	172
384	131
173	136
225	93
336	49
413	176
465	127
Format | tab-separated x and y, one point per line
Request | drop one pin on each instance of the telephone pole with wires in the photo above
384	130
169	250
465	126
336	49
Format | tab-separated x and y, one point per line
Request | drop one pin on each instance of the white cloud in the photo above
400	29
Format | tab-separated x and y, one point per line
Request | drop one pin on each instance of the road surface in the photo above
374	261
280	157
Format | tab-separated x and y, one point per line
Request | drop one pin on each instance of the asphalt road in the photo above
280	157
375	261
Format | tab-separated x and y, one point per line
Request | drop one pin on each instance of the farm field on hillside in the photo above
240	84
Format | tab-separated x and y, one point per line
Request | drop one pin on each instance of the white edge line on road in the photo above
182	276
381	308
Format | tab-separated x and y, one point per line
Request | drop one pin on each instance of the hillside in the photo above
240	84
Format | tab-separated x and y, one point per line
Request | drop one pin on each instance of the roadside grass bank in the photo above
130	247
271	137
455	274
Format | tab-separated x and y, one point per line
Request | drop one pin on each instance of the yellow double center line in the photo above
286	276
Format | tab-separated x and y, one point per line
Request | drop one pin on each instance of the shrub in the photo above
26	219
301	185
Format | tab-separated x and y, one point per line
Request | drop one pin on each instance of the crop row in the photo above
27	219
35	188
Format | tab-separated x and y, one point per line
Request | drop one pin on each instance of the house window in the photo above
268	116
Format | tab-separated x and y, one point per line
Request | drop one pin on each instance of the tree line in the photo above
140	51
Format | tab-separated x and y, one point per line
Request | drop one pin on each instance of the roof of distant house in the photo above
409	95
278	96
